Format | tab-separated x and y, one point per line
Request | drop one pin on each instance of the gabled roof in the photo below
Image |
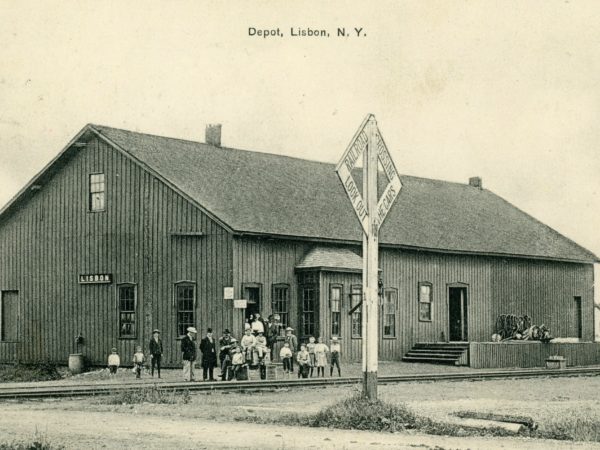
331	258
266	194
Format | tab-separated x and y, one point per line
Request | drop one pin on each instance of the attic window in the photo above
96	200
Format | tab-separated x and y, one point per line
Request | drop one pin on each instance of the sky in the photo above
505	90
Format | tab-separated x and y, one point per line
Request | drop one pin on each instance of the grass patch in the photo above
571	427
358	413
39	442
42	371
149	394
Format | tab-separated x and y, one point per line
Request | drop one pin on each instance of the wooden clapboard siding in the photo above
53	238
531	354
267	262
350	347
545	291
405	269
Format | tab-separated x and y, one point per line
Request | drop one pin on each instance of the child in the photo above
113	361
303	359
335	356
321	357
261	346
248	343
138	361
286	356
237	362
311	352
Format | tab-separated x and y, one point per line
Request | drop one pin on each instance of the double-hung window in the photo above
390	302
127	307
335	302
185	296
425	301
96	198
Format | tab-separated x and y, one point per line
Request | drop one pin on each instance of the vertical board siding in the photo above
531	354
53	238
542	289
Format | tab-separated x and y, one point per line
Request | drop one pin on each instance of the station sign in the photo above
96	278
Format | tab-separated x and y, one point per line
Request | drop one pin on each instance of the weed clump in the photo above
40	371
359	413
150	394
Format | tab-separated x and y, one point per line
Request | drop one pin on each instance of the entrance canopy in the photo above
341	259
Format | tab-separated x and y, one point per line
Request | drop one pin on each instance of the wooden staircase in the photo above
454	353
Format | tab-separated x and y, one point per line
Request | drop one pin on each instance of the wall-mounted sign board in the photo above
96	278
228	293
240	304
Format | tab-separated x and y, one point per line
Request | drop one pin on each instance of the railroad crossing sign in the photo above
354	151
371	211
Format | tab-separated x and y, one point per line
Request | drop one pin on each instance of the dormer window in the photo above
96	199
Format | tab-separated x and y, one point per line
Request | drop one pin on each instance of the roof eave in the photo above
414	248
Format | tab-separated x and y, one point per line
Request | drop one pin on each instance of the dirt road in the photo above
91	429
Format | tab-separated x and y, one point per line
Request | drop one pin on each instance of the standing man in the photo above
156	350
188	348
272	332
209	356
293	341
225	344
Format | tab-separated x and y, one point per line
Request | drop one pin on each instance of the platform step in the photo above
424	359
437	352
413	353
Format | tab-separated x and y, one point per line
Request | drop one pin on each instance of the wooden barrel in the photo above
76	363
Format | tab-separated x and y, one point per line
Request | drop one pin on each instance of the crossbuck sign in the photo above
351	156
371	211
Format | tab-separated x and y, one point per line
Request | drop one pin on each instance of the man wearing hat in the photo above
224	349
156	350
188	348
293	341
209	356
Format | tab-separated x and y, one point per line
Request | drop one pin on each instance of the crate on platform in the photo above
253	374
274	371
556	362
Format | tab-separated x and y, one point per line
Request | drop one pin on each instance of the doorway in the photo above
458	314
252	295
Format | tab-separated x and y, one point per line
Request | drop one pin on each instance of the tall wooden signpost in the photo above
371	212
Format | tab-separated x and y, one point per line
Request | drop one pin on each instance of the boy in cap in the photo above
156	350
286	357
335	356
138	361
113	361
188	348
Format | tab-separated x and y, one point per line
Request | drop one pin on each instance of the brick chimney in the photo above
213	134
476	182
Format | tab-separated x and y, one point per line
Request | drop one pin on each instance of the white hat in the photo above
334	338
289	329
192	330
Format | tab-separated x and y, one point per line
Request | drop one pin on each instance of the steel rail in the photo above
79	390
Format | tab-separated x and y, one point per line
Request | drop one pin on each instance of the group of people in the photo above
253	350
311	355
139	358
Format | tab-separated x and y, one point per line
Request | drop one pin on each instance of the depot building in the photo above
124	232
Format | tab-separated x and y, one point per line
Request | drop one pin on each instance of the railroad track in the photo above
79	390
